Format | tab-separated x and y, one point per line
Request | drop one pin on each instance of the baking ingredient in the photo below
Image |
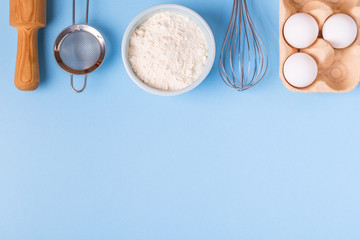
300	70
301	30
340	30
168	51
339	69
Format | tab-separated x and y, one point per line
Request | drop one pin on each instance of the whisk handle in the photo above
27	76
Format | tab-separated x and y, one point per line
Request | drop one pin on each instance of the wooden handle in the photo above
27	76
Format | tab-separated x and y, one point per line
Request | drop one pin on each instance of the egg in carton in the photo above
338	69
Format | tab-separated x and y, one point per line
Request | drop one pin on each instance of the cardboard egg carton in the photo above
339	70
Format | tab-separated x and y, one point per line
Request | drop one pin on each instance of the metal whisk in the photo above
244	59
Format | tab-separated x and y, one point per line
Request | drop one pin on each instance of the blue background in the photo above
118	163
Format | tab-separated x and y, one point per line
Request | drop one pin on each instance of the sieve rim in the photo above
79	28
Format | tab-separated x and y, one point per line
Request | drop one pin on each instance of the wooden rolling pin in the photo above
28	16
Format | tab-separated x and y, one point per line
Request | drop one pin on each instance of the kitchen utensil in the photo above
338	69
244	59
196	18
80	49
27	16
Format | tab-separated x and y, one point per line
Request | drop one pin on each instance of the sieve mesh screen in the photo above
80	50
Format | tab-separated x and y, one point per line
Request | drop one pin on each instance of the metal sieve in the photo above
79	49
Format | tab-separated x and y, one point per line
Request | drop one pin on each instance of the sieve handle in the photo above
27	76
72	84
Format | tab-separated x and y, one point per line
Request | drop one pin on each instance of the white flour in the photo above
168	51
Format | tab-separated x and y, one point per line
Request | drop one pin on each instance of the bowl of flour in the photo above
168	50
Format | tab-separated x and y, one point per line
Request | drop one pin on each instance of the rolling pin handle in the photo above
27	76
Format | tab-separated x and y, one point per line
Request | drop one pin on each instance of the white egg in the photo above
300	70
301	30
340	30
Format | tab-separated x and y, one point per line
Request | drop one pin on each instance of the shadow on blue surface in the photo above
43	59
